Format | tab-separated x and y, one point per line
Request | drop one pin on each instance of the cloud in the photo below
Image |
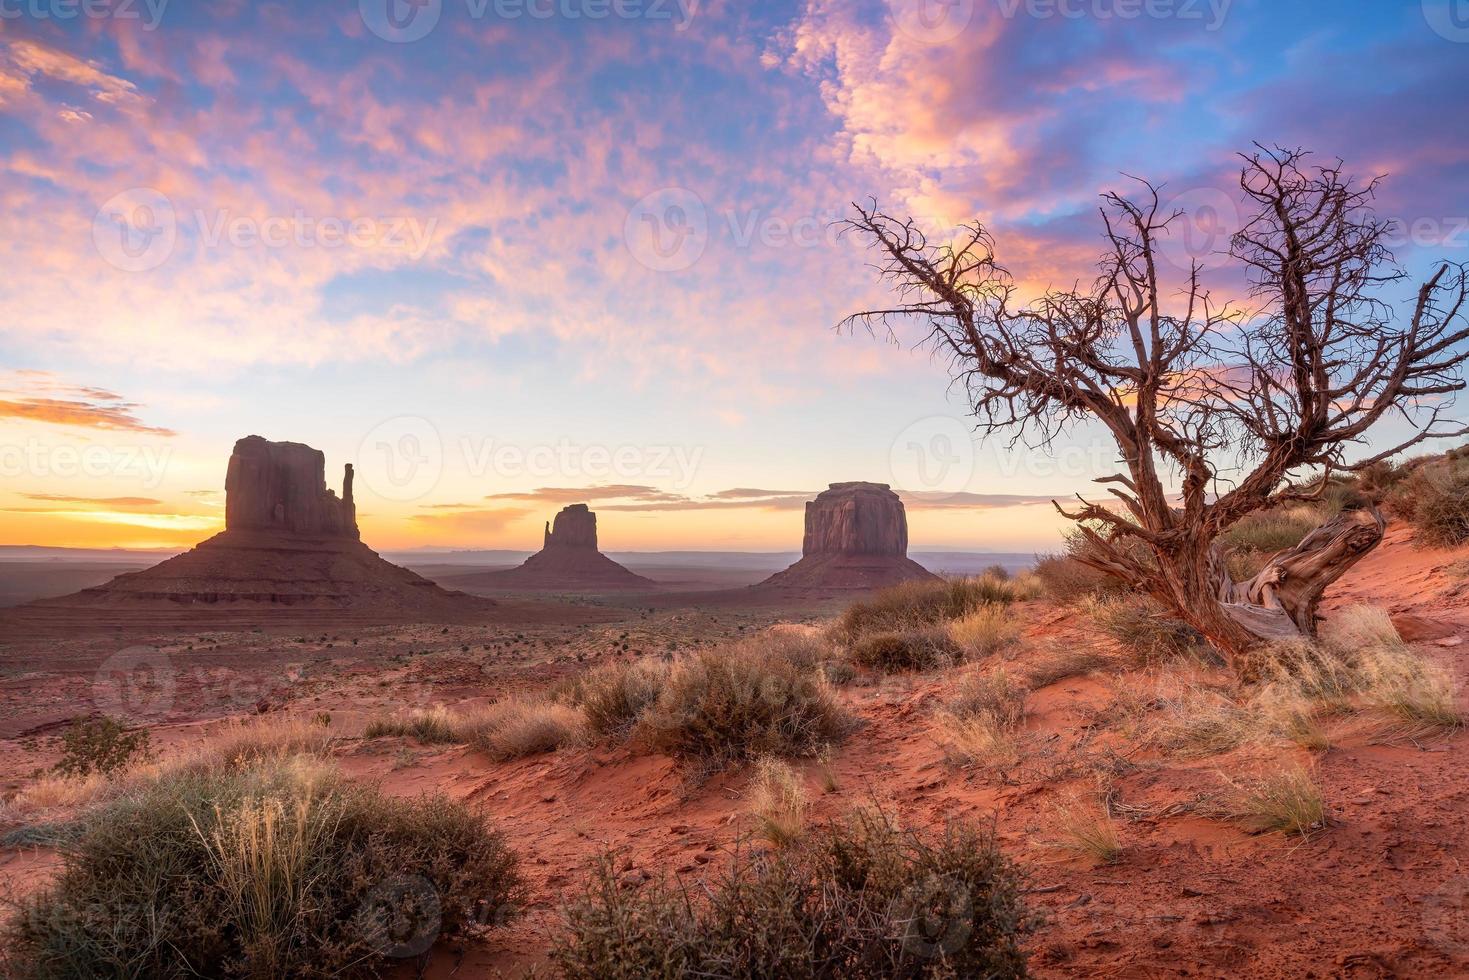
925	500
58	498
37	396
574	495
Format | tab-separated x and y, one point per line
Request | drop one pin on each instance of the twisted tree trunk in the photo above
1280	602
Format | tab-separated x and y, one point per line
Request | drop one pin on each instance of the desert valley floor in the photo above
1382	890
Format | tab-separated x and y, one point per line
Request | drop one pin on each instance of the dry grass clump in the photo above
1065	579
514	729
1055	664
241	742
1147	634
1434	498
860	899
977	724
278	868
431	726
1086	829
613	696
931	602
896	651
50	792
985	631
725	706
778	801
1202	722
1287	802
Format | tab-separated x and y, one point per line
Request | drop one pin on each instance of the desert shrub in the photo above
271	870
1066	580
928	602
514	729
895	651
1057	663
1269	531
778	801
976	724
1434	498
100	745
724	706
985	631
613	696
241	742
860	899
432	726
1287	802
1147	634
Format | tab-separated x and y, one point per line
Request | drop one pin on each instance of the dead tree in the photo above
1243	407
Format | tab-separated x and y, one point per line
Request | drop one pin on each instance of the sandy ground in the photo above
1380	892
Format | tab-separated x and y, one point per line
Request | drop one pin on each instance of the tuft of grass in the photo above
1147	634
514	729
858	899
976	724
1086	829
1269	531
985	631
431	726
1287	802
277	868
240	743
778	801
1065	579
725	706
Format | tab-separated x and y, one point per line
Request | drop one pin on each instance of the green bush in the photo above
102	745
273	870
725	706
859	899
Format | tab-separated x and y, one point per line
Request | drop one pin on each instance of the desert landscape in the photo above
710	490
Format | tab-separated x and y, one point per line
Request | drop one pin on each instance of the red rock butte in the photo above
568	561
289	541
856	538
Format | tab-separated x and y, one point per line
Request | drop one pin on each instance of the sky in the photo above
505	255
